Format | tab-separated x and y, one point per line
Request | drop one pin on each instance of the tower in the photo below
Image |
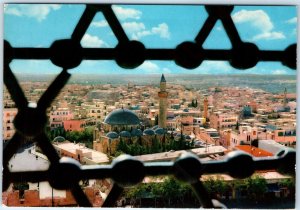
205	108
285	98
163	95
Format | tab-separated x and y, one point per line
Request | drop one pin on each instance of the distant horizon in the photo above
269	83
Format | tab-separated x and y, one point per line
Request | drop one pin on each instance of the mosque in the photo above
123	124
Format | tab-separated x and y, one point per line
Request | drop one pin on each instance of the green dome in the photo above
125	134
59	139
112	135
136	132
159	131
122	117
148	132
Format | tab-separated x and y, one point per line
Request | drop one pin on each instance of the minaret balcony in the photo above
162	94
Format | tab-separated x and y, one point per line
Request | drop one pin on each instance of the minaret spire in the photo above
163	78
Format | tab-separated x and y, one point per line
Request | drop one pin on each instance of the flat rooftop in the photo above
92	155
172	155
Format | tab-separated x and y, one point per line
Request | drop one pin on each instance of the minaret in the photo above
285	98
205	108
163	95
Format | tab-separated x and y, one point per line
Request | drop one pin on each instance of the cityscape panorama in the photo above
156	112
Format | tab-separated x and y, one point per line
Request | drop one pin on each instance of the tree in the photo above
171	192
216	186
156	120
155	146
21	186
256	186
193	103
85	136
289	184
237	125
122	146
136	193
170	189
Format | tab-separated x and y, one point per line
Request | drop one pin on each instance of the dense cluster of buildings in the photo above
216	120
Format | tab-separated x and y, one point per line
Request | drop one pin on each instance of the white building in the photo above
28	159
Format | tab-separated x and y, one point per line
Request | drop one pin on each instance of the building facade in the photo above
9	115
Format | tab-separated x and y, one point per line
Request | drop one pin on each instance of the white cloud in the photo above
260	20
138	30
99	24
219	28
270	36
149	67
140	34
37	11
279	71
133	27
162	30
127	13
257	18
214	67
92	41
166	70
292	20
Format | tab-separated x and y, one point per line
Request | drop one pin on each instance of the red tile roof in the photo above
254	151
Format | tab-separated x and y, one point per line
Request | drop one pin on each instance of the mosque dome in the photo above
188	137
178	135
155	127
136	132
112	135
122	117
125	134
159	131
148	132
59	139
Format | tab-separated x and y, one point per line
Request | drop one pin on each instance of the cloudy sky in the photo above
270	27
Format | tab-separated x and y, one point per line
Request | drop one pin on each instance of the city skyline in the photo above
270	27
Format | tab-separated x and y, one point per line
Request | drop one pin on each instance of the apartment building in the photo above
58	116
220	120
9	115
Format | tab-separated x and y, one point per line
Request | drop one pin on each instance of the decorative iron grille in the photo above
31	120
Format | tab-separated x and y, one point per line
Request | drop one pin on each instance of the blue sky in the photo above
37	25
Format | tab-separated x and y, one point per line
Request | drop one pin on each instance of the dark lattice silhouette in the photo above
30	121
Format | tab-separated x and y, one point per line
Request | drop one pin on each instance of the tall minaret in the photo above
163	95
205	108
285	98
